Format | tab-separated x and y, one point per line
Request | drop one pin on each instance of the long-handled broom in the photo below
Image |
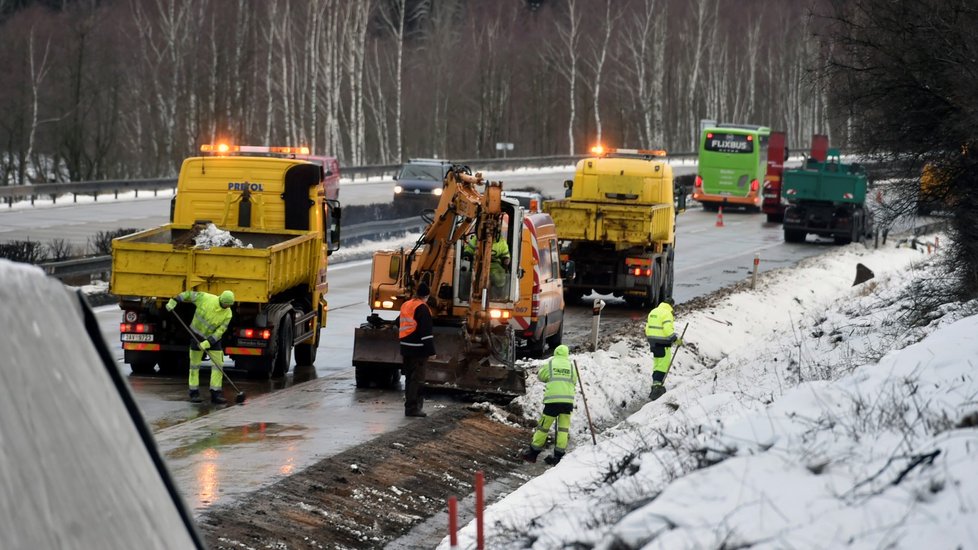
240	398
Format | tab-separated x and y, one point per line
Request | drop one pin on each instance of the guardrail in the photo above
81	267
16	193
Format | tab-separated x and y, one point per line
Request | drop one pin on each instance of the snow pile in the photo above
793	426
211	237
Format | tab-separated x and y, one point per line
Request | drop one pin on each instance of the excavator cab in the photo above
504	270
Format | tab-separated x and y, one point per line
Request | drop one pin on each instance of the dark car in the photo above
421	179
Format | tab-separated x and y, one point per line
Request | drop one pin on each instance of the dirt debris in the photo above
374	493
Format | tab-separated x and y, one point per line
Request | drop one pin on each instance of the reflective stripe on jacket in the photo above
659	327
415	329
210	319
561	378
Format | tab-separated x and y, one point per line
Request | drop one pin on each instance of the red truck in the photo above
772	203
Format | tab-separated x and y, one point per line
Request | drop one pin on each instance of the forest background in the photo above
100	89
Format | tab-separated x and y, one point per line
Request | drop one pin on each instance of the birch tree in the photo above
354	56
596	62
643	69
564	52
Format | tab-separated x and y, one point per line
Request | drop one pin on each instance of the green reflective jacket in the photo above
560	376
659	327
210	319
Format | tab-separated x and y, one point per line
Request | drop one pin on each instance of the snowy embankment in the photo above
807	413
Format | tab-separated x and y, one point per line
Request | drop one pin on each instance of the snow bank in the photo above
805	422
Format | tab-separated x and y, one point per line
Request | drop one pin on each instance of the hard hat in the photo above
227	298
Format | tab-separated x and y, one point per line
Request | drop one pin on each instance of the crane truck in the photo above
477	324
617	226
279	204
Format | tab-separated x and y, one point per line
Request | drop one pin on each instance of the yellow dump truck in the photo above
253	220
616	226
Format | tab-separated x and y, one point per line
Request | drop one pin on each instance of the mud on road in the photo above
373	493
376	493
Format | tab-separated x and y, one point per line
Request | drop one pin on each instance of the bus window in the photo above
729	143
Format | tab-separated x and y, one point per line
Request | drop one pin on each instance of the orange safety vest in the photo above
408	323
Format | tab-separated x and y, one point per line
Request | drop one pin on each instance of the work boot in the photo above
530	455
217	397
418	413
554	458
195	395
658	390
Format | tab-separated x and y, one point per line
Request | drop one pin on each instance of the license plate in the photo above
130	337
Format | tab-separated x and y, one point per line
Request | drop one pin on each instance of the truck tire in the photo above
555	340
536	348
305	354
775	218
794	236
284	332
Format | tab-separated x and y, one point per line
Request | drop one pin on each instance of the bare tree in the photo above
354	56
393	19
643	69
564	52
38	71
596	62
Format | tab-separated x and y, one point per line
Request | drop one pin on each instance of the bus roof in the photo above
752	128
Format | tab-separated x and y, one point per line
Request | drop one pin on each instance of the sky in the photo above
808	413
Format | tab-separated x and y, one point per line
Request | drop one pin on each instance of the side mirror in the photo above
680	199
335	214
567	271
569	186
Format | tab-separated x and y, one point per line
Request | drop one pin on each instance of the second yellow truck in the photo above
617	225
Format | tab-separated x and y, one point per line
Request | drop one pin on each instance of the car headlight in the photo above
437	191
398	189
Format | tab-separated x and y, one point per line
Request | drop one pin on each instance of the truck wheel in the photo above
774	218
536	348
280	365
555	340
305	354
794	236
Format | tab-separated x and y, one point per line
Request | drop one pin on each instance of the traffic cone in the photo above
720	216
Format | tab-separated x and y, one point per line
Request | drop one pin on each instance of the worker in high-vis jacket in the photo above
211	319
417	343
660	331
558	403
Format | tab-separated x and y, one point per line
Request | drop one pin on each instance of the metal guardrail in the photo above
80	267
16	193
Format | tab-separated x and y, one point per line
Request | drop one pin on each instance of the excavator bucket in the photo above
458	364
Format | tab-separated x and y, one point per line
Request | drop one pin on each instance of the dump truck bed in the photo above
162	262
622	224
828	182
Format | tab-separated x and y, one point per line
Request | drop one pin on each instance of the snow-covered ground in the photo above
808	413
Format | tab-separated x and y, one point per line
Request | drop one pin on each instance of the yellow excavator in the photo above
474	340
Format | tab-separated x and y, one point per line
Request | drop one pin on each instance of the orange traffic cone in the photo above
720	216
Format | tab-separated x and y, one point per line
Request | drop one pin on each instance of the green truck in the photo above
827	199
